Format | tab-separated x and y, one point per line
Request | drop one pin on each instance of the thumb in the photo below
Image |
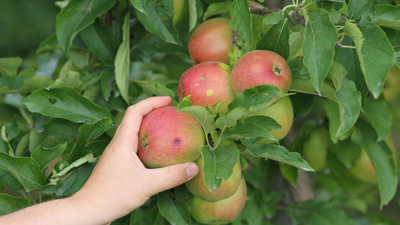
171	176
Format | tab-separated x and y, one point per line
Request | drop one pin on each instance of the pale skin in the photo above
119	184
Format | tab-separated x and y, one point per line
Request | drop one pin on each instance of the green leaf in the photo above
62	130
98	39
337	73
342	174
378	112
25	169
65	103
381	158
184	103
122	62
290	173
247	131
154	44
241	23
144	216
277	153
10	181
195	13
12	129
95	147
44	156
318	48
295	41
217	8
375	53
317	212
50	44
76	16
276	39
347	98
71	79
176	212
9	204
385	15
158	20
347	152
358	7
37	139
218	164
202	116
9	66
88	133
140	5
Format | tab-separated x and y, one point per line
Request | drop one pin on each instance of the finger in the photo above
133	117
171	176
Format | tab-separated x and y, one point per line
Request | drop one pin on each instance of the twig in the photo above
263	11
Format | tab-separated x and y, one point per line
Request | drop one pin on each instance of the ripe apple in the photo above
221	212
363	169
392	84
168	137
316	148
282	113
180	9
261	67
211	41
207	84
197	186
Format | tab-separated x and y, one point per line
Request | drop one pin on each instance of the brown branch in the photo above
263	11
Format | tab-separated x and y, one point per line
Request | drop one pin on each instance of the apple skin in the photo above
221	212
197	186
207	84
168	137
261	67
180	9
282	113
363	169
316	148
211	41
392	84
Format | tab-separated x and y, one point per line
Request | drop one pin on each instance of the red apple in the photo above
207	84
211	41
197	186
261	67
168	137
221	212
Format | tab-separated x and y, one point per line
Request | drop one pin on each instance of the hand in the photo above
120	182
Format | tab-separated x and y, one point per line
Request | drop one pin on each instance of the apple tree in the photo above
317	150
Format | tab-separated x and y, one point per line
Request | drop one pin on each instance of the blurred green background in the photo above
24	24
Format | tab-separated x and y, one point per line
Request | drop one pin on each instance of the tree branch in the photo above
263	11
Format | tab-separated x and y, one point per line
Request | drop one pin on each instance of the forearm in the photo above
66	211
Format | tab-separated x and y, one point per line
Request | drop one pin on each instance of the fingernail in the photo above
192	171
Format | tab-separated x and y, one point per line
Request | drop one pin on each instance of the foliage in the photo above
108	54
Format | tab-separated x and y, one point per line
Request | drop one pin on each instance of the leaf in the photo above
25	169
318	48
9	204
342	174
154	44
140	5
378	112
98	39
195	13
347	98
176	212
122	62
347	152
87	133
217	8
9	66
144	216
71	79
317	212
276	39
290	173
385	15
65	103
337	73
358	7
62	130
158	20
241	23
295	41
50	44
12	129
277	153
10	181
247	131
381	158
218	164
76	16
375	53
47	64
44	156
202	116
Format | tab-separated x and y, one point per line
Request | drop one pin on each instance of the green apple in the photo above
392	84
316	148
180	9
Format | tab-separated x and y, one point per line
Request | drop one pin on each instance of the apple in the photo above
363	169
392	84
180	9
207	84
261	67
282	113
316	148
220	212
197	186
211	41
256	5
168	137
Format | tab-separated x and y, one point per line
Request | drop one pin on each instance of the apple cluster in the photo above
168	137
